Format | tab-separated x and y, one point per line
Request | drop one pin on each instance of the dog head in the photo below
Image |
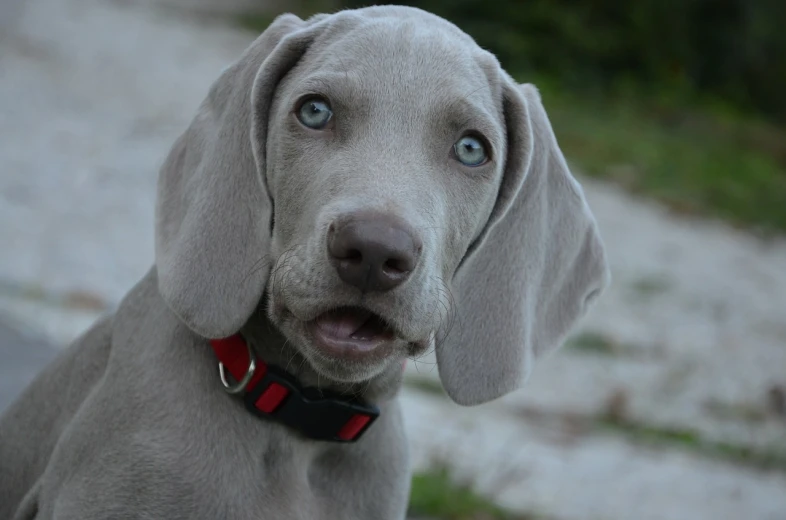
389	189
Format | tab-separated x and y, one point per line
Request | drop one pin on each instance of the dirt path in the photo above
688	347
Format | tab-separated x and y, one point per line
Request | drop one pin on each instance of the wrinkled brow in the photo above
330	84
463	113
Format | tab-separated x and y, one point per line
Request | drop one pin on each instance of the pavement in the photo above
666	404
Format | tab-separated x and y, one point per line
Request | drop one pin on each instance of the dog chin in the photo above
341	371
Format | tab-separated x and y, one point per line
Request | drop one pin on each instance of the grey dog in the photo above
358	188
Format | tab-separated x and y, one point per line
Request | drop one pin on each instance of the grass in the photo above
694	442
599	344
435	495
258	22
426	385
647	286
74	299
594	343
696	160
745	412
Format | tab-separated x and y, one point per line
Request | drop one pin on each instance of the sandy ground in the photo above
691	336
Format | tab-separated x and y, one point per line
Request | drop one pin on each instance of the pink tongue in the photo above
342	323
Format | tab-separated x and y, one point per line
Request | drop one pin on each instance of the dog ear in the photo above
534	271
213	209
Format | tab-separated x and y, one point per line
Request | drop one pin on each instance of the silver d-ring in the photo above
241	385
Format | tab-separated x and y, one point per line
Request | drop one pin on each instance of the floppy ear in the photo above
533	272
213	209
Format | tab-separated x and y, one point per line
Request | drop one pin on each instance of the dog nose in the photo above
373	252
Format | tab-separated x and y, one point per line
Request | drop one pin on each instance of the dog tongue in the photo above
343	323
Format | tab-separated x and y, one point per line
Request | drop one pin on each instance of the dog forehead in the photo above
386	22
405	53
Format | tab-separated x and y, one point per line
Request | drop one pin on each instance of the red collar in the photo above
272	393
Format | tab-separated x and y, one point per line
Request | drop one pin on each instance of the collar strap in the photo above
273	393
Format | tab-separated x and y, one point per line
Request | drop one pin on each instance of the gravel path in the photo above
691	336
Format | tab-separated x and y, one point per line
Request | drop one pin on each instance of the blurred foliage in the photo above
436	495
695	159
730	48
771	458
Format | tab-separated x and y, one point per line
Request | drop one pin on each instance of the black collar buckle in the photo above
314	413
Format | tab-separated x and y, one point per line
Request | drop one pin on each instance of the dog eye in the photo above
470	151
315	113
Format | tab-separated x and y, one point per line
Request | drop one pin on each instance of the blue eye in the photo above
315	113
470	151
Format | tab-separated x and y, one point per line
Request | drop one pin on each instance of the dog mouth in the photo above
350	331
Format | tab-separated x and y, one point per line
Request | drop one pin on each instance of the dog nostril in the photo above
354	256
396	266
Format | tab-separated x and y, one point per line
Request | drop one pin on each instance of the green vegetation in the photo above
426	385
694	160
689	440
258	22
651	285
744	412
693	50
599	344
436	496
593	343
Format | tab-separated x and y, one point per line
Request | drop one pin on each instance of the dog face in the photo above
389	188
383	167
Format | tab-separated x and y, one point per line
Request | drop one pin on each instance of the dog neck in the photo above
270	345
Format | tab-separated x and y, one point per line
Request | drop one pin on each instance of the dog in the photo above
359	188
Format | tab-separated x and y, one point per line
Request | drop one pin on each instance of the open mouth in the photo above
350	330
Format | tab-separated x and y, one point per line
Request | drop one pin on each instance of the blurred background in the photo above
669	401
